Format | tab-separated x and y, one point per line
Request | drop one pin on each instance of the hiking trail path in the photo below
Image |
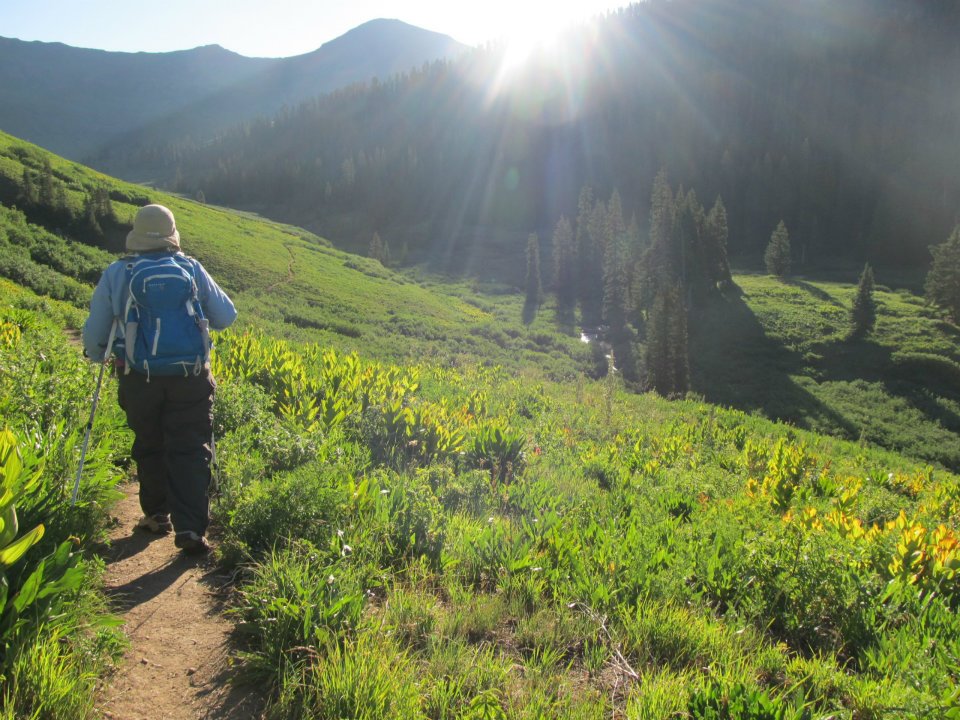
178	663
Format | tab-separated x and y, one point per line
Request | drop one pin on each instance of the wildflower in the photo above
331	580
347	550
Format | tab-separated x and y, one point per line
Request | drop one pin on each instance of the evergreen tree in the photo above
667	352
863	315
565	265
661	262
386	254
534	286
375	250
942	285
616	281
28	189
717	233
46	193
696	277
777	255
91	221
591	243
103	206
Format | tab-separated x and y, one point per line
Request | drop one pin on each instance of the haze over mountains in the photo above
79	102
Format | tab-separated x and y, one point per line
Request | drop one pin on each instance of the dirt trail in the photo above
179	657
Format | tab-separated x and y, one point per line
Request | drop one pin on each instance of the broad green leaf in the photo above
70	581
30	589
11	553
8	525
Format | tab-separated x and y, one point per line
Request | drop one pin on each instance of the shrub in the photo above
305	503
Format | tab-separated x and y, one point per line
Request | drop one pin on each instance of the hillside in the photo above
286	282
462	543
81	103
455	521
779	349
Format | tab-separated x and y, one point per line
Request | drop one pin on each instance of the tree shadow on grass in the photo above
814	290
733	362
530	310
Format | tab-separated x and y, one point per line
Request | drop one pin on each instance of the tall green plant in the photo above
55	574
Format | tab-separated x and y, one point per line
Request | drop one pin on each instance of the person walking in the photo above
159	304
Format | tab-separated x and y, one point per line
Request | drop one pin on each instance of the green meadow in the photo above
436	510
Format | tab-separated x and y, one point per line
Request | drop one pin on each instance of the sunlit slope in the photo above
284	280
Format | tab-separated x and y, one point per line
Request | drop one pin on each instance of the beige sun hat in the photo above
153	229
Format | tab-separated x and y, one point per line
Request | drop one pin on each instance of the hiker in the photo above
159	303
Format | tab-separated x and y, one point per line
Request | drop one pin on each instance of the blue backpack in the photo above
165	332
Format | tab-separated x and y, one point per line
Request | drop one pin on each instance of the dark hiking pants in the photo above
172	421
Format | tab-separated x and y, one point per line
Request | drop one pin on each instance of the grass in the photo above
457	522
783	349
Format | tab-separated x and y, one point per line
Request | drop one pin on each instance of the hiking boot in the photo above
156	524
191	543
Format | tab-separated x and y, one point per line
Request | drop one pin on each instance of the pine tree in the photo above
46	193
375	250
863	315
696	277
28	189
534	286
591	244
386	254
942	285
91	221
660	266
717	233
667	356
616	281
777	255
565	264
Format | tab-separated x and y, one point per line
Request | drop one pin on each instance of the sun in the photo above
531	31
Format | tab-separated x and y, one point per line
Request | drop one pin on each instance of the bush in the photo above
306	503
806	590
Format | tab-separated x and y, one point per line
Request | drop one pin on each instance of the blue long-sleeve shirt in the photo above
110	297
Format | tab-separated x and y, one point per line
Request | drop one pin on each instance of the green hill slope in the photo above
442	542
780	349
284	280
455	535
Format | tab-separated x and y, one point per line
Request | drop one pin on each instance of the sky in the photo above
275	28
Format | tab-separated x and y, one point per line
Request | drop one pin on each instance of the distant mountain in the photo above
80	103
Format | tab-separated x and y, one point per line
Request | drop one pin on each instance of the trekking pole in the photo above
214	466
93	410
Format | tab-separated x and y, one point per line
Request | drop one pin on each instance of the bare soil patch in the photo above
178	664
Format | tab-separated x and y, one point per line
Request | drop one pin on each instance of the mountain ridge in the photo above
79	102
